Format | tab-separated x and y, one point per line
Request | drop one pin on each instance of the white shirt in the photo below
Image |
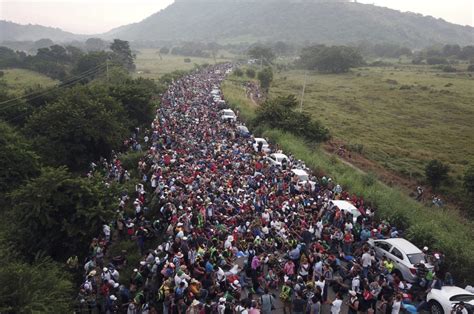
336	306
366	260
396	307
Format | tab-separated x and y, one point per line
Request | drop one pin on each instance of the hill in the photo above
330	22
10	31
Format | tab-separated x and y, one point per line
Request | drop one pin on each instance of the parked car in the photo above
442	301
303	179
228	115
265	146
243	131
403	253
277	159
346	207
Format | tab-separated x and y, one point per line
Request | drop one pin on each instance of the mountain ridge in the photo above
333	22
11	31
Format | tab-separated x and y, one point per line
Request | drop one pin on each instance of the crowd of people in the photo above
221	230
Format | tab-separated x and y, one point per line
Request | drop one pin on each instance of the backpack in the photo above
285	293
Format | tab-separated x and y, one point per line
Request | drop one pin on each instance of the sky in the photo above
98	16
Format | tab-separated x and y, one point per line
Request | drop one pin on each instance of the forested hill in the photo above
10	31
293	21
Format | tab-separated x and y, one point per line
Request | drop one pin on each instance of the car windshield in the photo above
416	258
462	297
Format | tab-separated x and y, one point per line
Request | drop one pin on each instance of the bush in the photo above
449	69
436	60
265	77
436	172
250	73
470	68
165	50
238	72
187	60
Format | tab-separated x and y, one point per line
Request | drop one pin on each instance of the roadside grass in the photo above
403	115
440	229
20	79
151	64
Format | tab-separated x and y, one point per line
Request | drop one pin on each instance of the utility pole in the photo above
302	92
107	69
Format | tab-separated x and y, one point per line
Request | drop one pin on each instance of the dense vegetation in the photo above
297	22
334	59
50	209
69	62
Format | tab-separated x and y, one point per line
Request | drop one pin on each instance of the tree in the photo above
136	98
470	68
165	50
58	214
334	59
84	124
279	113
436	172
436	60
262	53
250	73
18	161
90	62
95	44
122	54
40	287
468	180
265	77
238	72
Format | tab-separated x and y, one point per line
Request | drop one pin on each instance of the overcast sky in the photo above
97	16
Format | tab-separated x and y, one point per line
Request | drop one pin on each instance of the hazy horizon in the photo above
99	16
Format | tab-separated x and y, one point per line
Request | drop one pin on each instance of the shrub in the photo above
187	60
470	68
436	172
238	72
250	73
436	60
449	69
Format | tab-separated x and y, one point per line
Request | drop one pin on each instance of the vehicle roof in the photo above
228	110
299	172
450	291
403	244
344	205
259	139
279	155
242	127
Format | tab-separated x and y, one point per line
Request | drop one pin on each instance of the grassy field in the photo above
402	116
439	228
19	79
151	64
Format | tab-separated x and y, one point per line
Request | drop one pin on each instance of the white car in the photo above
264	143
303	179
404	254
277	159
347	207
228	115
442	301
243	131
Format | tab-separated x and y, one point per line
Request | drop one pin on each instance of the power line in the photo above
71	80
44	93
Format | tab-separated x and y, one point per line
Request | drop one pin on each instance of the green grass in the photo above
150	64
19	79
401	129
441	229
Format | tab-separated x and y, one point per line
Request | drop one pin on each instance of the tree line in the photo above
63	63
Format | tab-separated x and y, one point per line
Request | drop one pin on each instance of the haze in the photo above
98	16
